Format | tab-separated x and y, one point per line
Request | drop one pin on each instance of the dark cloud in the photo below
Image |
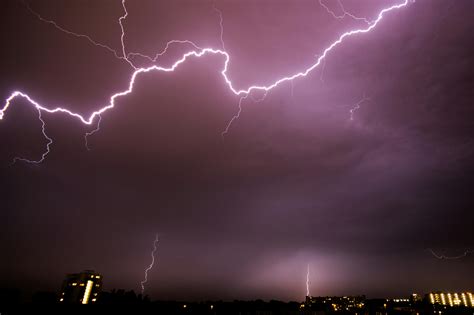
295	181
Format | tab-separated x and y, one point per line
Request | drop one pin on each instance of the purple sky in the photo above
294	182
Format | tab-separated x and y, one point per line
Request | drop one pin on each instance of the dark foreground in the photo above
127	302
215	308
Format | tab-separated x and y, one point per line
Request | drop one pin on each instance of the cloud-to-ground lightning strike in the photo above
88	120
444	257
142	283
307	281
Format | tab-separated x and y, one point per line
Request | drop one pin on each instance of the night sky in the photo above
294	182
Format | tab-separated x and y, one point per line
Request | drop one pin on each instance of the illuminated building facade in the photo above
81	288
465	299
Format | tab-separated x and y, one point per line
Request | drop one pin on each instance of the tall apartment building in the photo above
81	288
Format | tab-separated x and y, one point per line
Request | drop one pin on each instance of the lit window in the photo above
61	299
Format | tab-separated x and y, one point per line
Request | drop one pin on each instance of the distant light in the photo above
184	306
212	306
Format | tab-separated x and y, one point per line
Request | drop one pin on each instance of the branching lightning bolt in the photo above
442	257
221	23
90	133
307	282
142	283
123	57
50	141
199	52
236	116
357	106
122	37
164	51
78	35
344	13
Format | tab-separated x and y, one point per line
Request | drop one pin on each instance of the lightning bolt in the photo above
242	92
142	283
357	106
122	37
90	133
164	51
441	257
344	13
340	17
236	116
221	23
124	57
78	35
50	141
307	282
